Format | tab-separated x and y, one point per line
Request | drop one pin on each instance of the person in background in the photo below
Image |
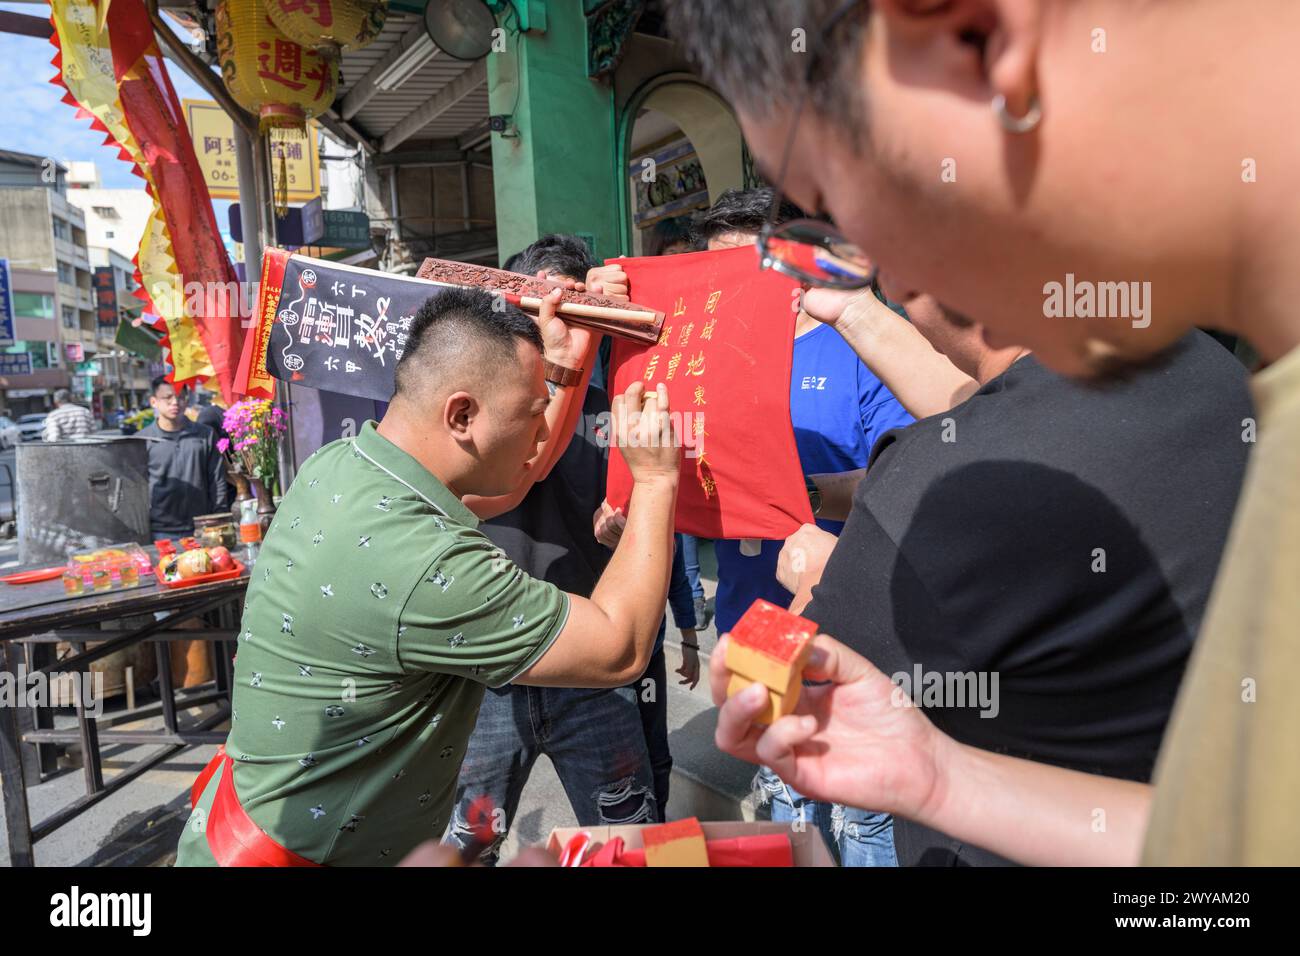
213	415
68	420
838	408
651	690
690	546
187	475
670	237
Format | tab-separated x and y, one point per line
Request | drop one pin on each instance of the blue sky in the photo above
33	120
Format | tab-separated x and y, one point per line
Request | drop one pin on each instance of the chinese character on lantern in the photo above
288	60
699	395
321	74
318	10
695	366
672	365
713	301
650	369
707	331
686	333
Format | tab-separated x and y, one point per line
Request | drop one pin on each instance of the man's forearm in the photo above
924	382
634	586
571	411
837	489
1035	813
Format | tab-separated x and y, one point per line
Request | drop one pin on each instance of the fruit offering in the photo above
221	559
187	564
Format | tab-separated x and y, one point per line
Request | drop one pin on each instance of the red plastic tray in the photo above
234	572
31	577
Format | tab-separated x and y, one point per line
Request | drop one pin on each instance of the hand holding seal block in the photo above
769	646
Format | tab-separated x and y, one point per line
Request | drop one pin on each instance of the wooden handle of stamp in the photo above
629	323
578	310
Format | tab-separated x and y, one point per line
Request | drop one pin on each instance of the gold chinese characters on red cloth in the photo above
724	353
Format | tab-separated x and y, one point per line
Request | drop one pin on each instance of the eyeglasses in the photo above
810	250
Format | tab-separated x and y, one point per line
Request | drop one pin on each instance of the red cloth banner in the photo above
144	119
153	112
725	354
252	378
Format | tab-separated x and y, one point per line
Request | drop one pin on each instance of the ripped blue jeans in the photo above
855	837
594	738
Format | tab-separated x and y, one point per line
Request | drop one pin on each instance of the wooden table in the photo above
35	617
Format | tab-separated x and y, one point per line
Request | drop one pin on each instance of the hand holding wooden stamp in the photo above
598	312
769	646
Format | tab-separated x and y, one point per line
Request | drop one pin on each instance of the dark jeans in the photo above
593	737
691	558
652	698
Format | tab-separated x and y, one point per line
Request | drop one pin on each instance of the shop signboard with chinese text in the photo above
6	304
105	297
292	153
15	363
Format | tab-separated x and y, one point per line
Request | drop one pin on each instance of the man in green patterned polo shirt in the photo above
377	613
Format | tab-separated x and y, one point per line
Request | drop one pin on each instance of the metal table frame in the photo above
27	735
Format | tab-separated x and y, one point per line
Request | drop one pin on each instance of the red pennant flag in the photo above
725	355
153	113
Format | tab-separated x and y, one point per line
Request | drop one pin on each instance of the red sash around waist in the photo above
233	837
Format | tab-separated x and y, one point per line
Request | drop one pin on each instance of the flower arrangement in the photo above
255	427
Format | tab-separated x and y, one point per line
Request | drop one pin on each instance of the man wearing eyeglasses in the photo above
982	151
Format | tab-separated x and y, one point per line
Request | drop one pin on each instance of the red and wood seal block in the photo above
680	843
770	646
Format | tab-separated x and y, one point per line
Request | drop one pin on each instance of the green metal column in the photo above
554	168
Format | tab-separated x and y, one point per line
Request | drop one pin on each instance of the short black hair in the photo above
565	255
158	382
741	210
756	54
463	329
670	232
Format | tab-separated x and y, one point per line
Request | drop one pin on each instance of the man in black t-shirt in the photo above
1032	565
